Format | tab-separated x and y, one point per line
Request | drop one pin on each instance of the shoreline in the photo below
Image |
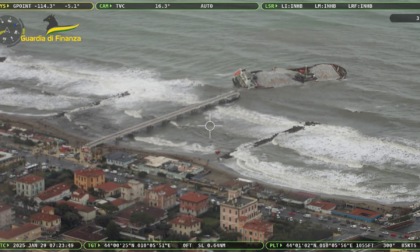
218	170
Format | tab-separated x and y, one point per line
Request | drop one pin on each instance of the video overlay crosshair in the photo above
210	125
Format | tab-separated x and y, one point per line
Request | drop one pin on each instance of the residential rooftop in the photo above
30	179
194	197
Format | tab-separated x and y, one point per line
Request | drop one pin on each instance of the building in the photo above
84	234
7	159
358	214
88	178
186	225
120	159
123	217
122	203
132	190
298	198
158	161
7	215
162	196
257	230
49	222
25	232
79	196
108	189
54	193
238	210
88	213
321	206
30	185
193	203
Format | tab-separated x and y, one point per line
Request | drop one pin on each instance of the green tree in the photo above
109	208
142	174
140	218
103	220
112	231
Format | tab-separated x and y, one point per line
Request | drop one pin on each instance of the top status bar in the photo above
208	6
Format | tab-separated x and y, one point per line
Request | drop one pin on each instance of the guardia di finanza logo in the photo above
52	31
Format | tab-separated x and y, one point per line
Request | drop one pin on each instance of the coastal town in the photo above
54	189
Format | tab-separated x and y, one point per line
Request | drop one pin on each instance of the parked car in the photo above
114	171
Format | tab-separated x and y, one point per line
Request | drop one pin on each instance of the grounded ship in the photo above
280	76
2	59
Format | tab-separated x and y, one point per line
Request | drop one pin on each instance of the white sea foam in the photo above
255	123
86	79
134	113
328	181
342	145
183	146
14	97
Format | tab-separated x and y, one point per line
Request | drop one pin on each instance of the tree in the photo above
109	208
112	231
229	236
141	218
142	174
103	220
69	216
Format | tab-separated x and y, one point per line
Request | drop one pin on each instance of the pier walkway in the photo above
223	98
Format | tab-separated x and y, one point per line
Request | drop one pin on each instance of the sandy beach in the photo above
219	172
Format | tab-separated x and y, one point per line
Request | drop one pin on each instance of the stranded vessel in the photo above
280	76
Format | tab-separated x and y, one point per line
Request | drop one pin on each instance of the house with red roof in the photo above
88	213
30	185
81	197
193	203
25	232
54	193
84	234
162	196
132	190
108	189
87	178
257	230
122	203
186	225
49	222
123	217
321	206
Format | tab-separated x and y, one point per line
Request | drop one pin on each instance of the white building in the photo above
120	159
30	185
132	190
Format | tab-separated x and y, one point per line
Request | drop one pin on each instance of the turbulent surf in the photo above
281	76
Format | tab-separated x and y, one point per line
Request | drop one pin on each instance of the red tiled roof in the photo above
108	186
53	191
91	198
79	193
47	209
89	172
156	213
194	197
258	225
118	202
126	186
29	179
10	233
364	213
324	205
44	217
185	220
85	233
4	207
78	207
166	189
